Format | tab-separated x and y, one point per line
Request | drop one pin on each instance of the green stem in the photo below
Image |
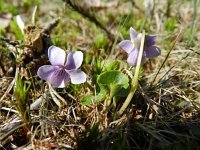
134	82
108	102
115	101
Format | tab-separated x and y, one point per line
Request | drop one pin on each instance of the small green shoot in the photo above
88	100
5	8
98	65
16	30
2	31
28	4
57	41
87	58
170	24
75	88
111	64
100	40
191	32
22	104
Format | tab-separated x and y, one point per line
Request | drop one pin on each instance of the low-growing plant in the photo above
99	91
21	93
109	81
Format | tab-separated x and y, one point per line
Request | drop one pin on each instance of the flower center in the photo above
136	43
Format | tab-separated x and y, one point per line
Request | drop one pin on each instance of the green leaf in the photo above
15	28
115	80
113	77
111	64
89	99
119	90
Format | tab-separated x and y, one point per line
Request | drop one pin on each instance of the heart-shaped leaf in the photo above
89	99
115	80
113	77
119	90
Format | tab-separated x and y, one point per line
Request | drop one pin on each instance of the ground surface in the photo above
164	111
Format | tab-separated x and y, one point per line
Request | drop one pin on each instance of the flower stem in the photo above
134	82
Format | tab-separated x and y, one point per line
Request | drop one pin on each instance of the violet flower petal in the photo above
77	76
126	45
151	52
74	60
56	55
45	72
133	57
59	78
150	40
133	34
132	47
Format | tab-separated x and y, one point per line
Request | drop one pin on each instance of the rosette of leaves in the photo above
115	81
111	83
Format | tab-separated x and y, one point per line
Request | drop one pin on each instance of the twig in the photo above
58	96
9	109
146	97
37	102
14	43
2	67
54	98
91	18
97	4
11	131
194	51
181	111
50	26
172	67
33	15
11	84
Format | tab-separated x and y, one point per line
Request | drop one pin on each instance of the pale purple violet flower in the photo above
132	47
62	69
